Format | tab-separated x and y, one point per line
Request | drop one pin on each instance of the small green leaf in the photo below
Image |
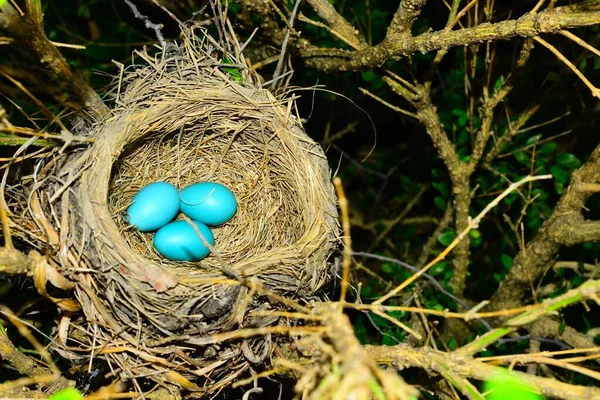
547	148
554	77
387	268
559	174
476	238
452	344
443	187
559	187
234	72
506	260
440	202
369	76
533	139
561	328
511	198
438	268
446	238
568	160
499	82
506	385
522	157
67	394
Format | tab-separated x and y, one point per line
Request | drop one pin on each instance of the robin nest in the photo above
193	112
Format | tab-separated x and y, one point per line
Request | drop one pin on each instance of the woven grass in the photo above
183	116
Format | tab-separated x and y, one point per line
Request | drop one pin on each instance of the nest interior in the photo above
183	117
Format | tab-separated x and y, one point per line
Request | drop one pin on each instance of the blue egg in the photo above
154	206
208	202
179	241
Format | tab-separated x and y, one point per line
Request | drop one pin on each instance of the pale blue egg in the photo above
154	206
208	202
179	241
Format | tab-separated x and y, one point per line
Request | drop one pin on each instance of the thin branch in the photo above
560	228
347	251
338	23
472	225
595	91
147	23
580	42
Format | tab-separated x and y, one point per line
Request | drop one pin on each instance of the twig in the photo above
388	104
147	23
580	42
282	56
338	23
461	14
472	225
595	91
346	253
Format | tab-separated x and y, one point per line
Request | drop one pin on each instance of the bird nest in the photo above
184	116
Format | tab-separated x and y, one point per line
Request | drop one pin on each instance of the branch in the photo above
490	104
562	228
28	32
405	16
13	262
397	45
338	23
402	356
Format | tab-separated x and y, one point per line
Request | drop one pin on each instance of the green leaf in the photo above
533	139
506	260
561	328
568	160
522	157
438	268
443	187
440	202
547	148
559	174
506	385
476	238
511	198
452	344
369	76
559	187
554	77
446	238
387	268
499	82
67	394
234	72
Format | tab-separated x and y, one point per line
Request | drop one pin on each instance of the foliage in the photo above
398	186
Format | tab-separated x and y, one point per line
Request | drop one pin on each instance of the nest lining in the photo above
269	213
